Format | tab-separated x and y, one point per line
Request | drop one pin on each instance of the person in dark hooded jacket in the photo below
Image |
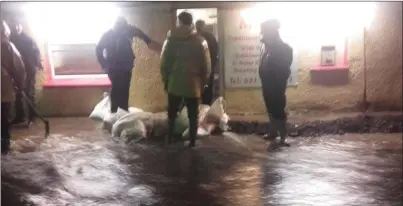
185	71
32	60
207	95
274	71
115	55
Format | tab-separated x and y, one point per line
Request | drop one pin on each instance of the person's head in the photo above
16	26
200	25
270	31
120	23
185	19
5	31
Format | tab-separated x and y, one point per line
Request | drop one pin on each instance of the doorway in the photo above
209	15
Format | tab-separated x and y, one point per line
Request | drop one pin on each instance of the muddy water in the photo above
79	165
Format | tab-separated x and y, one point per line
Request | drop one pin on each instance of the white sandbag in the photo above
216	115
137	132
201	132
216	110
111	118
204	126
130	120
135	109
224	123
102	109
203	110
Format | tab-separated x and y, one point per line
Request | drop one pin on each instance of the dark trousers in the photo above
120	89
174	104
5	126
207	95
274	97
20	102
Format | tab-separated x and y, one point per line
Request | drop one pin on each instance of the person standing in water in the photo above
115	55
12	75
274	71
207	95
185	70
32	60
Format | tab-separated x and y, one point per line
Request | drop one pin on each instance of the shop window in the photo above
307	27
70	36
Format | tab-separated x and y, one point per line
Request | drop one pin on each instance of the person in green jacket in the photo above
185	70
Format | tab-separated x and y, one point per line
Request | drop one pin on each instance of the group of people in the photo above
188	58
20	60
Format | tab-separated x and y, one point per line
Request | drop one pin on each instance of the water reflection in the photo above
329	171
86	168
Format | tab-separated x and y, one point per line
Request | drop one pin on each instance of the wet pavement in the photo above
79	165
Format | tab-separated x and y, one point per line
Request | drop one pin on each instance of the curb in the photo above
357	124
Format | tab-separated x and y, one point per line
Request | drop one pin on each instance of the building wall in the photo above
146	90
384	64
384	76
384	50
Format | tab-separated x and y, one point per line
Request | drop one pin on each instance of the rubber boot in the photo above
272	134
171	128
192	134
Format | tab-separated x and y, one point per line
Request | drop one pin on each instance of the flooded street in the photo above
80	166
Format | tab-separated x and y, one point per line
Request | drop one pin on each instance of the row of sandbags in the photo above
137	124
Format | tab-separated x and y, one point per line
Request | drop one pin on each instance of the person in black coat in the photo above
31	56
274	71
207	95
115	55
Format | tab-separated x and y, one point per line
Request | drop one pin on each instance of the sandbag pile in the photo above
137	124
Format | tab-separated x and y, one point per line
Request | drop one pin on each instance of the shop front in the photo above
338	61
332	41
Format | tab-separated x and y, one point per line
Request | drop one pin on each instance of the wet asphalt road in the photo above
80	166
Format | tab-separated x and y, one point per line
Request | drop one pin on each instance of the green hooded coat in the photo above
185	63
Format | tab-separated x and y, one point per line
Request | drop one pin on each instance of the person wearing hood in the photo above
32	60
12	75
185	71
115	55
274	71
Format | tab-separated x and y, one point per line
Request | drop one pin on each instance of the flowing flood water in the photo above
78	165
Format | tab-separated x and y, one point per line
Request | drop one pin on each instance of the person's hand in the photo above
155	46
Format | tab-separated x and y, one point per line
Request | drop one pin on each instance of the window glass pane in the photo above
74	59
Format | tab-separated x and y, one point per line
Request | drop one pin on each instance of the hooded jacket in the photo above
12	71
185	63
114	49
275	62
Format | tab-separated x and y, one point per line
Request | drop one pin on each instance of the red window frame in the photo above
339	65
70	82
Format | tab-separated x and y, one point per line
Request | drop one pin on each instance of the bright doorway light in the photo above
70	22
311	20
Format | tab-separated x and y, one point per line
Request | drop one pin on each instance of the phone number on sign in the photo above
243	80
